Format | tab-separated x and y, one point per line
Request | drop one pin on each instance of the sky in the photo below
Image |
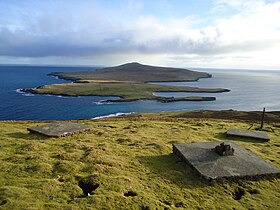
179	33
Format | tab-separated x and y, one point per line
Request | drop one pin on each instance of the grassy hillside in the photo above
129	163
127	91
129	82
135	72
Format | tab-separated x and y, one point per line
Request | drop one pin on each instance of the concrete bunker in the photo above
60	129
258	135
216	160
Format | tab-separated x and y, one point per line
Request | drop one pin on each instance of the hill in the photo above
135	72
129	82
128	163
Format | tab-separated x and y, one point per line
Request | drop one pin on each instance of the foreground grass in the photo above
124	155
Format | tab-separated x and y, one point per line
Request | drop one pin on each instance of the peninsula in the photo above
129	82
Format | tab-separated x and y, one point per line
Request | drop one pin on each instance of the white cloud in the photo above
250	37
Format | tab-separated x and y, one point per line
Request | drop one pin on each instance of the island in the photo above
129	82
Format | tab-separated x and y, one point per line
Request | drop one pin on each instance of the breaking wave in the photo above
103	102
24	93
113	115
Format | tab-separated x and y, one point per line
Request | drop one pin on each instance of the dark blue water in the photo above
250	90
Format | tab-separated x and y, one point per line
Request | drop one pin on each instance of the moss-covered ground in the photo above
127	163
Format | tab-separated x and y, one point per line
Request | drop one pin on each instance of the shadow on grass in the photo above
27	136
171	168
225	137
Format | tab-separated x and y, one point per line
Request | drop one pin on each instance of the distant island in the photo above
135	72
130	82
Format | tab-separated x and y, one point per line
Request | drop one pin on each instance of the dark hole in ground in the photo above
167	203
179	204
253	191
87	186
3	202
130	193
239	192
145	208
60	179
99	133
110	126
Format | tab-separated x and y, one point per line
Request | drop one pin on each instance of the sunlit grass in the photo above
124	155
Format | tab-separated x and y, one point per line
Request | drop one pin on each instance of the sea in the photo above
250	90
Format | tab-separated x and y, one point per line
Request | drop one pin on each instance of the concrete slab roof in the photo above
60	129
248	133
210	165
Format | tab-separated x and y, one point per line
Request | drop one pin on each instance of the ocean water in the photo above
250	90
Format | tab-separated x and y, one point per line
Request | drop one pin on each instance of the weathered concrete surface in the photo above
248	133
210	165
59	129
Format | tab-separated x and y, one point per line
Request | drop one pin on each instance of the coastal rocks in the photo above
29	90
190	98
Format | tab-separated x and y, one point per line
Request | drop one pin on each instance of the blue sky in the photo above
183	33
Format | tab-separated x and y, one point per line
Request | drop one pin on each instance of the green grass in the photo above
126	154
127	91
130	82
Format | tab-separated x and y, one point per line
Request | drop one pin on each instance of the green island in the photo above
130	82
130	162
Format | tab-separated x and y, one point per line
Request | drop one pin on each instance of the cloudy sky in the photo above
182	33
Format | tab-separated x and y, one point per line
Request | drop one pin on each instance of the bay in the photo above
250	90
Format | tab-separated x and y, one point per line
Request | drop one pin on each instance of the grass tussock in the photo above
127	163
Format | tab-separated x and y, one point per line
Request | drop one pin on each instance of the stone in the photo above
223	149
60	129
261	135
210	165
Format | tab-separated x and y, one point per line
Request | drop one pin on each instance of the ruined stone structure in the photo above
224	149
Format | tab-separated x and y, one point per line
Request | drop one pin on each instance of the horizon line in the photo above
103	66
